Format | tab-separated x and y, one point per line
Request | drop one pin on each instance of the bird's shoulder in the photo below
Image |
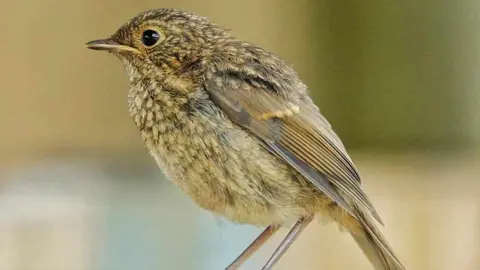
238	61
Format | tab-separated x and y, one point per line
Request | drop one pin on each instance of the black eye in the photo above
150	37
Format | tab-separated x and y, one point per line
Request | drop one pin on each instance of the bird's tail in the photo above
374	245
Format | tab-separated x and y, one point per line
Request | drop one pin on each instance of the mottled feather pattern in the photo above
234	127
262	90
196	143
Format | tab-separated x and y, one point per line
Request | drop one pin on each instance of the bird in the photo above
235	128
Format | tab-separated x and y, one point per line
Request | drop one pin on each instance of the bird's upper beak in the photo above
109	45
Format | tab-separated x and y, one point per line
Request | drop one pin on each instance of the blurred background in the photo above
397	79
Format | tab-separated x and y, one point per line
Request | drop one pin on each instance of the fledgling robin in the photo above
234	127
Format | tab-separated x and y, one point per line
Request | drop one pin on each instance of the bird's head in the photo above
162	41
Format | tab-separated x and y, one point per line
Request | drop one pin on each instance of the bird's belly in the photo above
236	178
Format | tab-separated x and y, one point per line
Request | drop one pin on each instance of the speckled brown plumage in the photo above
234	127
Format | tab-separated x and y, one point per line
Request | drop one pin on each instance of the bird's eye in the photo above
150	37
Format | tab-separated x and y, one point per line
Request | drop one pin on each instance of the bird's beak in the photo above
109	45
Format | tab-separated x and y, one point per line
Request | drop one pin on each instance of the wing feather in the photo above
293	129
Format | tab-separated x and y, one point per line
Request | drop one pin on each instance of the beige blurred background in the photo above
397	79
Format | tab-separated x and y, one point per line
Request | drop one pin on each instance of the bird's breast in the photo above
218	164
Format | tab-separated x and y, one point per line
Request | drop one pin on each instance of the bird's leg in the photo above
301	224
254	246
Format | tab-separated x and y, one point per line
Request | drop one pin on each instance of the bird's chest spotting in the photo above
184	141
216	163
184	150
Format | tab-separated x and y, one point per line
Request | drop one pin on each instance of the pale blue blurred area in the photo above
165	230
139	220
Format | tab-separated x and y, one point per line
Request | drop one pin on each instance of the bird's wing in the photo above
291	128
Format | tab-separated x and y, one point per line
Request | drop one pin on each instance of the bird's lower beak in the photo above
109	45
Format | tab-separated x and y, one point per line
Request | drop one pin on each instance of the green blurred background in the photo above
397	80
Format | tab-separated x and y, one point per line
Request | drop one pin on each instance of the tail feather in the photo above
375	246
